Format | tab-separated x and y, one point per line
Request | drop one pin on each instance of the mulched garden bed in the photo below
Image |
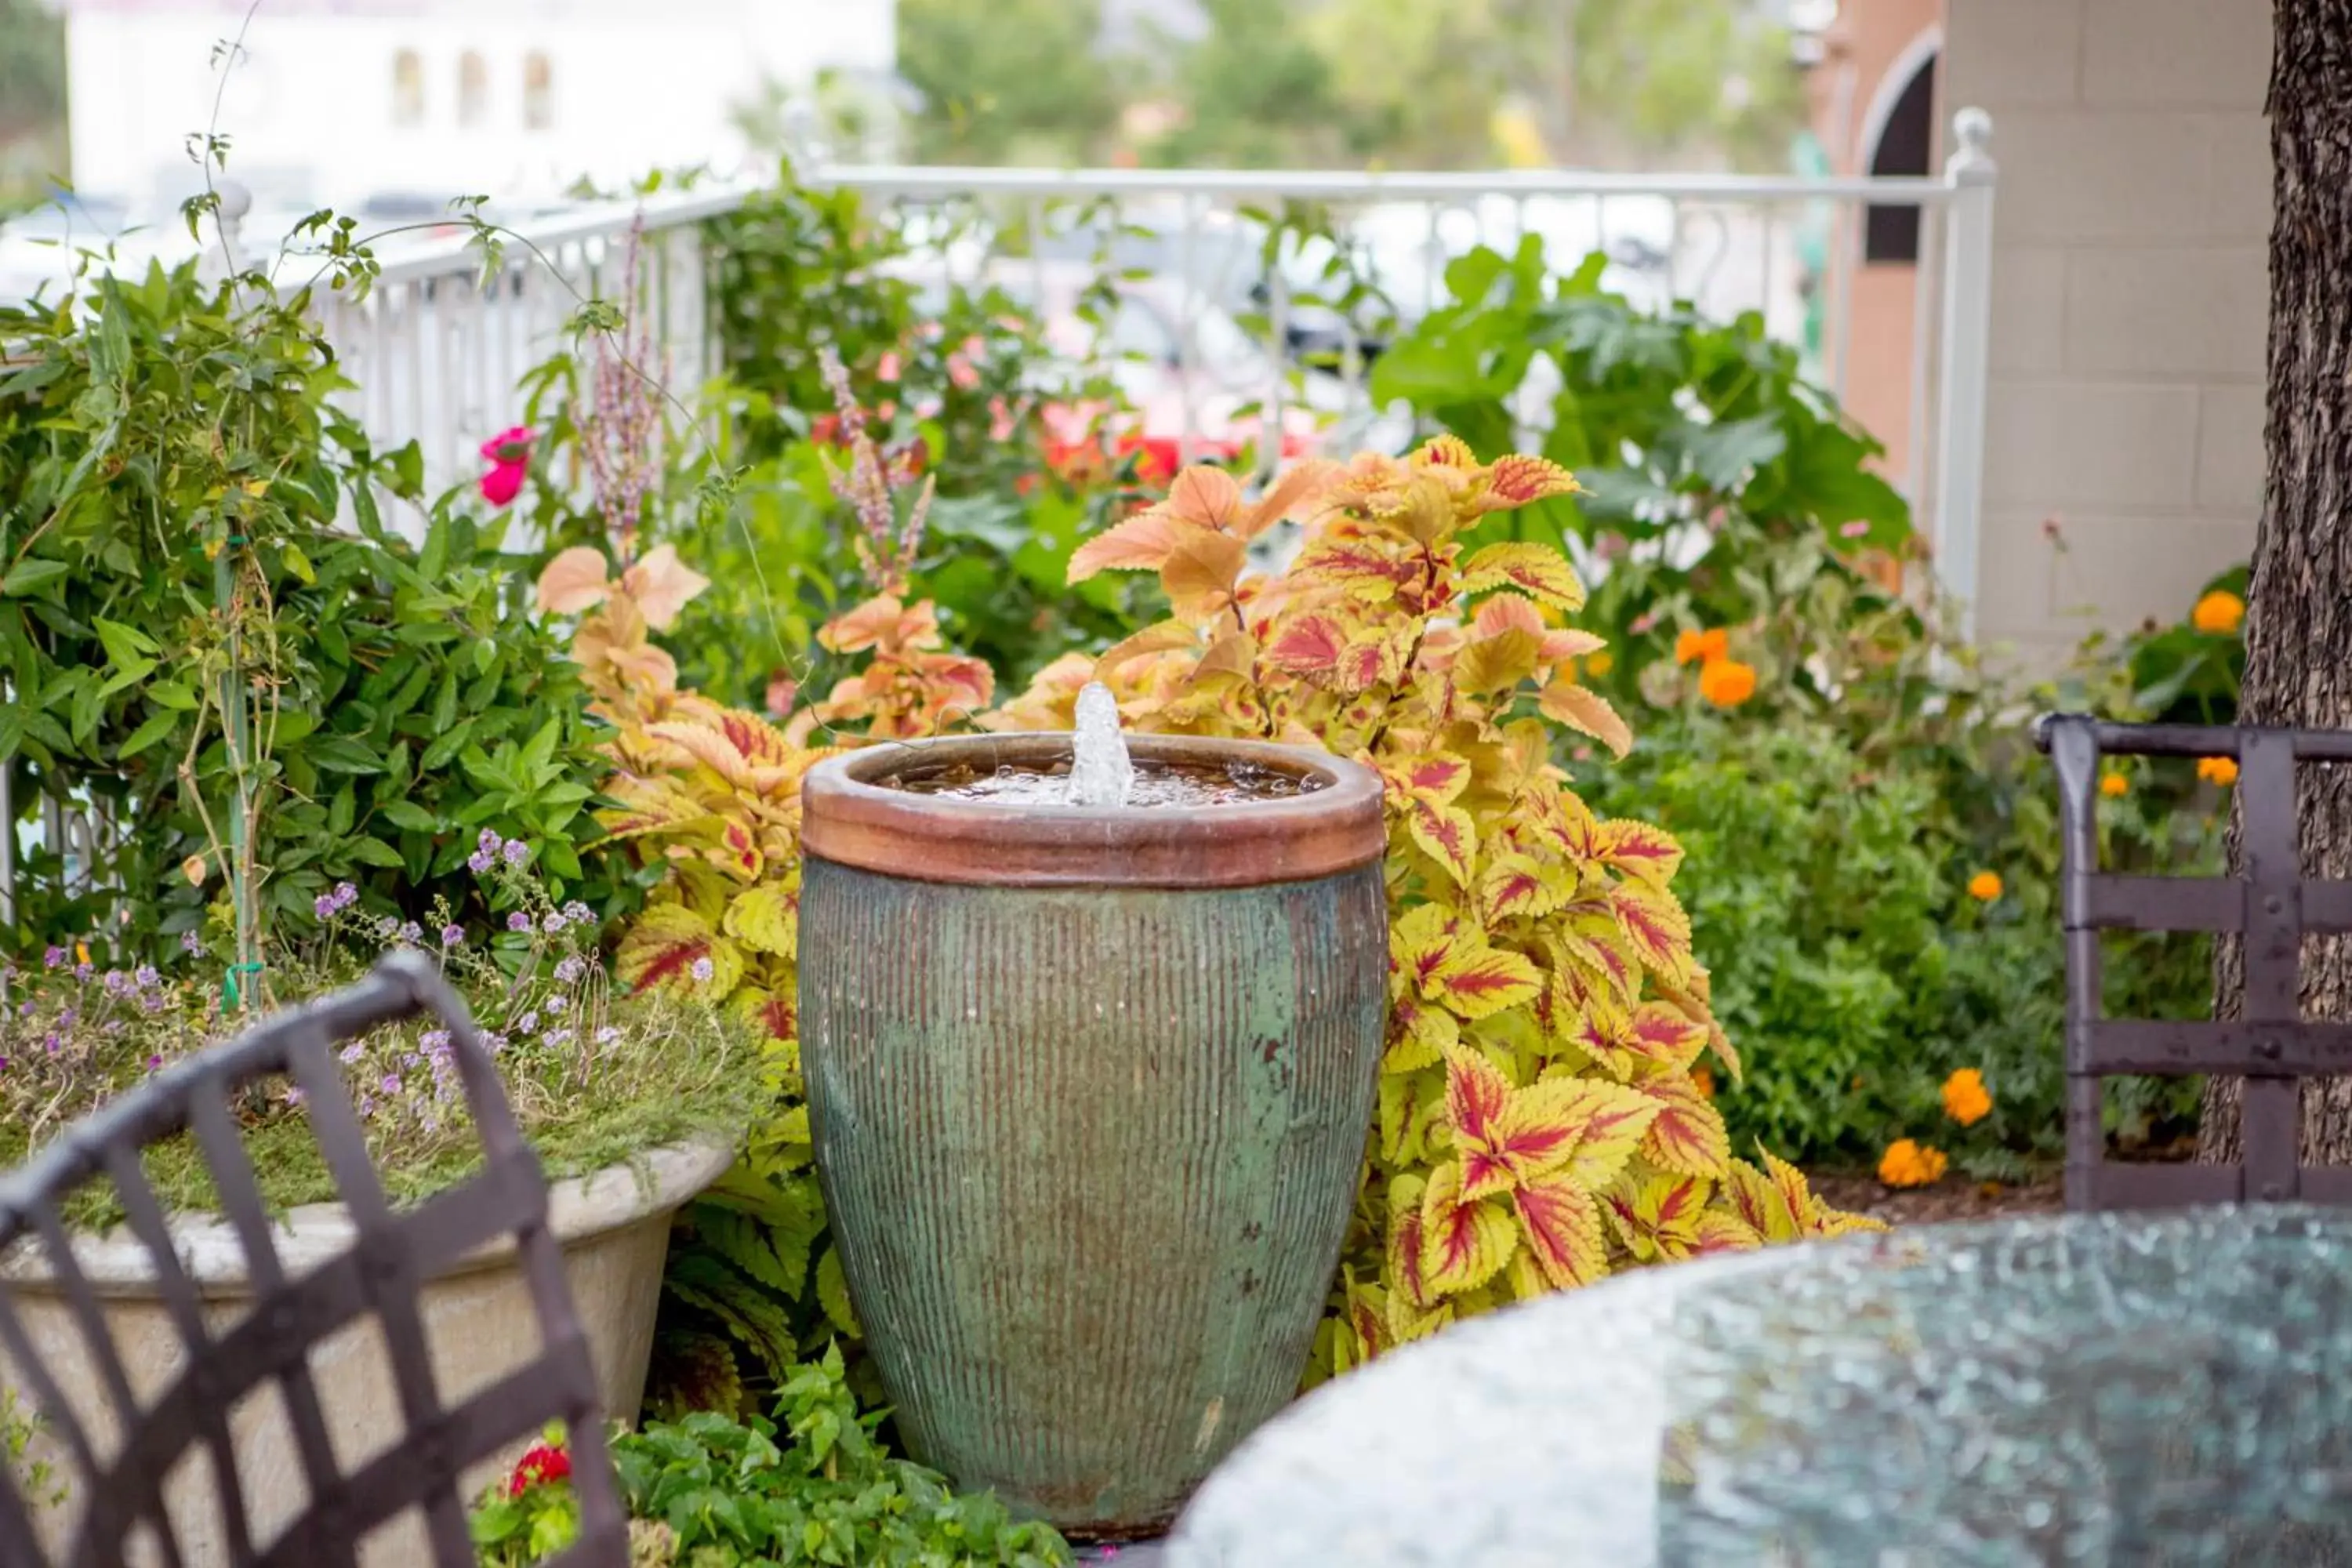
1947	1200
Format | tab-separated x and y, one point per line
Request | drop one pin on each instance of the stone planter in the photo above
613	1226
1089	1090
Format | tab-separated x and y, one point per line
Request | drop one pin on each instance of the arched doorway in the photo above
1903	138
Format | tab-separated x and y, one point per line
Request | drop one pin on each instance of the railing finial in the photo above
1971	156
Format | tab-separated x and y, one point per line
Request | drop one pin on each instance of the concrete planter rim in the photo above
850	819
116	1263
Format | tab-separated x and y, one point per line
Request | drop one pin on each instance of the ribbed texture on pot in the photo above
1089	1155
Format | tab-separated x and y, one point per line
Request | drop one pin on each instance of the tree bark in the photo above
2299	606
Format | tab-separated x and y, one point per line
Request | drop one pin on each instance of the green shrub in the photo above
1720	489
1829	894
188	518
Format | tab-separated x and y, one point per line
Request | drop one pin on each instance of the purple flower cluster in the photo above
327	906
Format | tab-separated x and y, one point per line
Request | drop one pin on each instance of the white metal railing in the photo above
437	347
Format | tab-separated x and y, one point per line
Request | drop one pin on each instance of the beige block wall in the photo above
2123	456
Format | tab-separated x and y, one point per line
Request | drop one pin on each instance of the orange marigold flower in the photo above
2218	611
1696	647
1726	682
1985	887
2114	786
2222	771
1966	1100
1599	664
1909	1165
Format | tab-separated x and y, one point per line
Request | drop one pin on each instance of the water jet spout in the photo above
1102	773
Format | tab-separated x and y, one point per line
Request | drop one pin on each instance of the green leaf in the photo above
409	815
342	754
833	1294
157	726
407	471
373	852
124	644
298	563
28	575
130	673
439	753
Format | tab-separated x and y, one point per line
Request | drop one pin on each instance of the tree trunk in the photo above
2299	607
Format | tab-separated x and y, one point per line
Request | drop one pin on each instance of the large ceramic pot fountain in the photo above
1091	1052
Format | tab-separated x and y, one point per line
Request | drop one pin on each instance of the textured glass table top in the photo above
2117	1391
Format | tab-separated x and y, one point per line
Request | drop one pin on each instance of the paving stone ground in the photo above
1133	1554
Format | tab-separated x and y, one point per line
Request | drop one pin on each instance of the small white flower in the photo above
703	970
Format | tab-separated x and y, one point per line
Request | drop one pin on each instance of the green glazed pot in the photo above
1090	1090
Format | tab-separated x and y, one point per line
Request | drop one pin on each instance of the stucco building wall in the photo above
2124	449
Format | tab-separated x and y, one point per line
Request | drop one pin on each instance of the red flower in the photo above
542	1463
509	454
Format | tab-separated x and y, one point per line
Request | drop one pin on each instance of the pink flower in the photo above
960	372
509	454
1853	529
887	367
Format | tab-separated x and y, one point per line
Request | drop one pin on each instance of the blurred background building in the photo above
379	106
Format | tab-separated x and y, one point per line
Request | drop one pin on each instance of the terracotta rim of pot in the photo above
849	819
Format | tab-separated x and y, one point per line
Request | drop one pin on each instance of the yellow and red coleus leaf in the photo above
1647	853
1658	1217
1720	1230
1419	1034
1369	570
1139	543
1200	573
1518	886
1692	1000
1519	479
1688	1135
765	919
1497	662
1537	1130
1653	1039
1403	1247
1508	1137
1654	926
1438	778
1561	1224
1537	571
668	945
1586	711
649	806
1446	834
1766	1205
1464	1244
1420	942
1341	655
1477	981
1446	450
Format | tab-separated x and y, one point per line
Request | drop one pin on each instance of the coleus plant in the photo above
709	796
1539	1123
